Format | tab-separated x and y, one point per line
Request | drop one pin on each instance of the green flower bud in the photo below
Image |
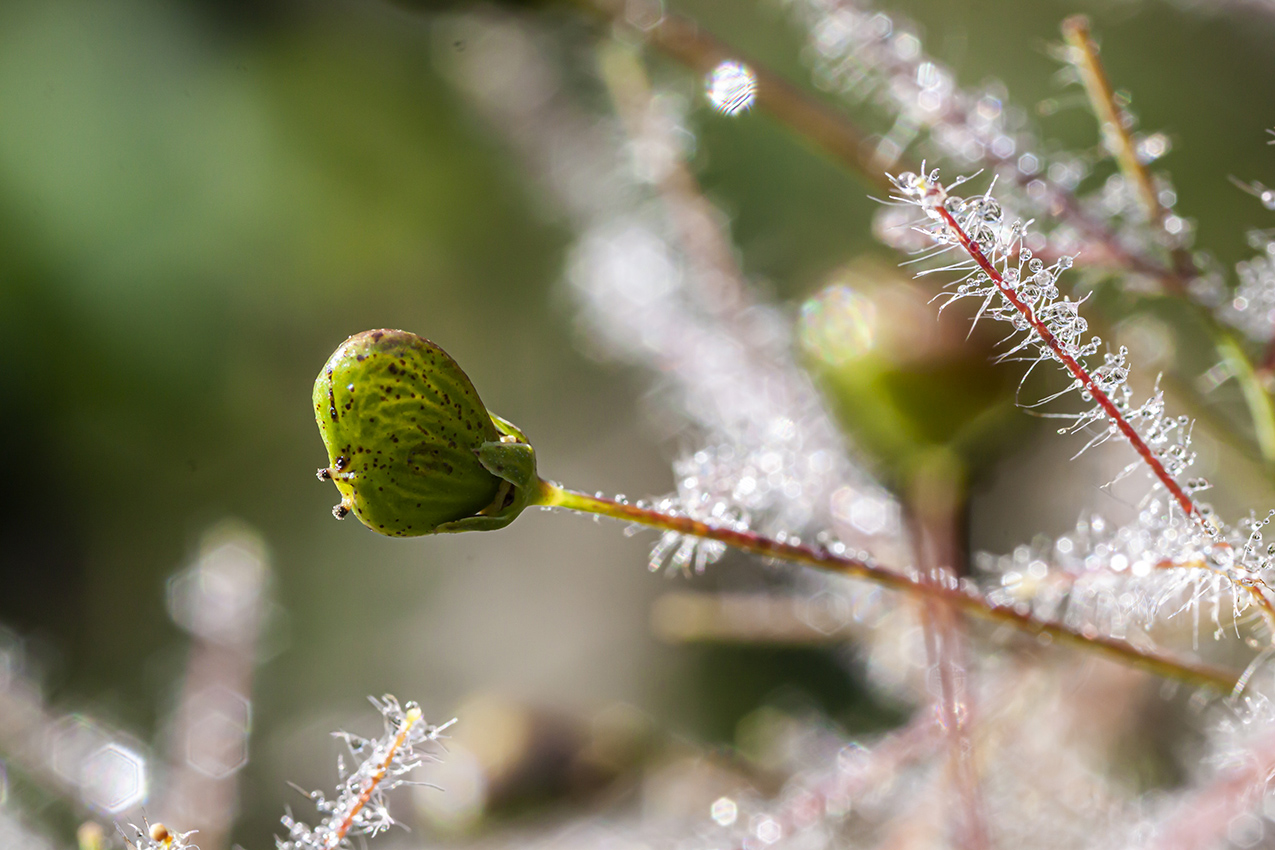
411	447
901	383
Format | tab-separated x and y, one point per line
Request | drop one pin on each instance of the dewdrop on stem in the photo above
732	88
157	836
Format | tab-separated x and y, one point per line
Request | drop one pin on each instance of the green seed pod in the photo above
908	388
412	448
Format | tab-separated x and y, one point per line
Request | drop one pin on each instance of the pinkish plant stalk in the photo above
1055	329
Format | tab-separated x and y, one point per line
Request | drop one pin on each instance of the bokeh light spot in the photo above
732	88
837	325
114	779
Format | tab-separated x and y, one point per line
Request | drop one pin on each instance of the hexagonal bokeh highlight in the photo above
219	598
724	811
113	779
825	612
219	722
70	741
867	513
1245	830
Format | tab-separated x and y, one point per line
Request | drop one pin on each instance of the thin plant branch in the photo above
1071	364
934	507
683	40
1112	118
949	592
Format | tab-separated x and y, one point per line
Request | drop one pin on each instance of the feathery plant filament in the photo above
1057	324
1055	329
410	719
361	807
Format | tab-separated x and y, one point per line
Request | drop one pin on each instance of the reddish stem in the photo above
1073	365
412	718
955	596
1254	589
1268	358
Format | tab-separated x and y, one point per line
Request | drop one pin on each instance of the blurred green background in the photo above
199	201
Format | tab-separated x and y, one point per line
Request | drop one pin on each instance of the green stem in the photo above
554	495
1111	117
1255	395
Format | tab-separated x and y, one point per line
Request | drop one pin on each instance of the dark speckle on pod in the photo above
403	455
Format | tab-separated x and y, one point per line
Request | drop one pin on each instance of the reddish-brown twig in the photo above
1087	380
960	598
410	719
1074	366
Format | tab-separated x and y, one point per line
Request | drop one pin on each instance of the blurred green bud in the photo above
411	447
903	383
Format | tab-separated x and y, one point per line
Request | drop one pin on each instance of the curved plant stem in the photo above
554	495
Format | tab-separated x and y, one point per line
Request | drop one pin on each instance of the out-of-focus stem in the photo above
1256	397
1115	130
682	40
934	498
554	495
202	783
691	214
1205	817
1111	116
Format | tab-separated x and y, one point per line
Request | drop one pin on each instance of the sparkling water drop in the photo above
732	88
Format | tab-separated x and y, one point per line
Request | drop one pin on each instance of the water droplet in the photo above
732	88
